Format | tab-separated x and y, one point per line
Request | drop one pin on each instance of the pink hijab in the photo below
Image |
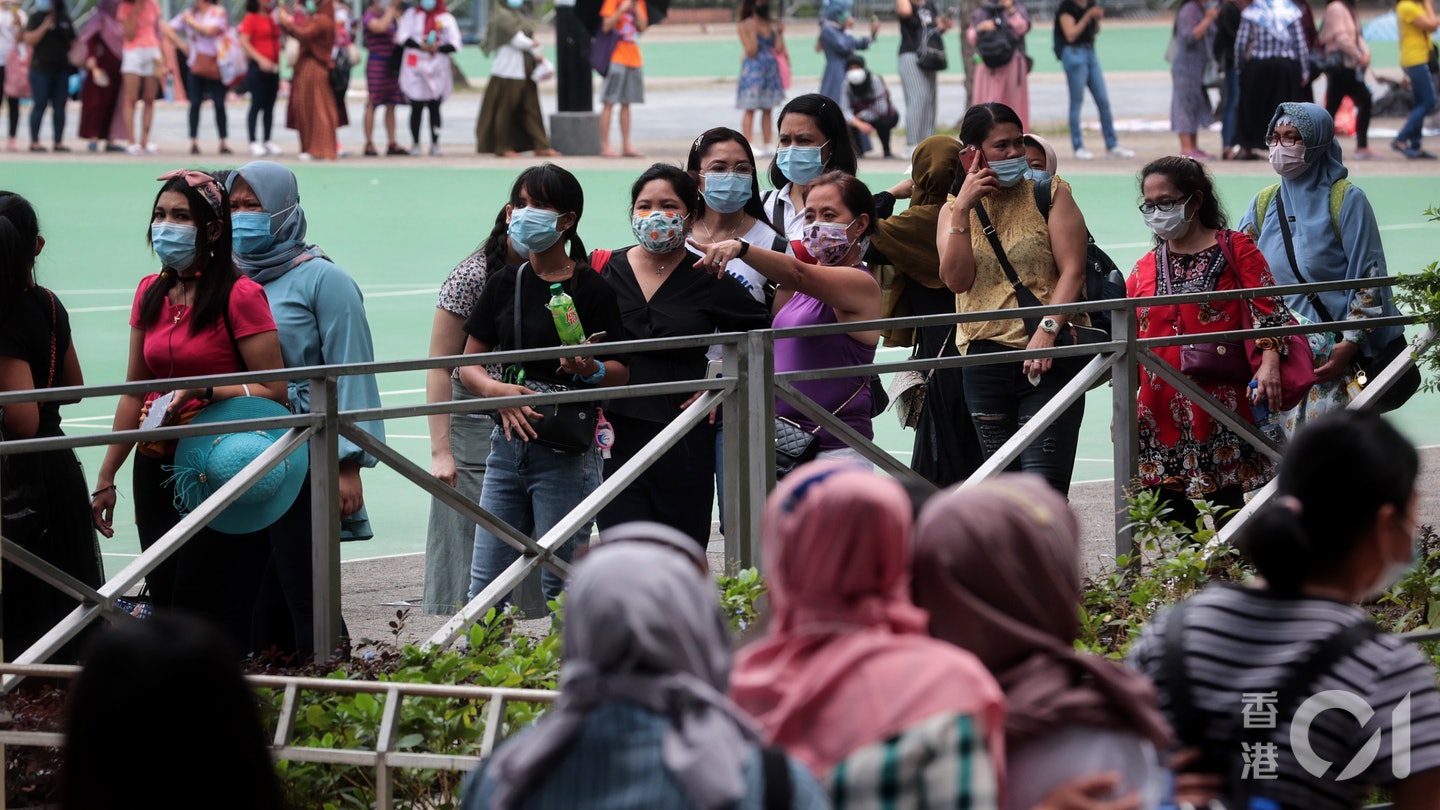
847	661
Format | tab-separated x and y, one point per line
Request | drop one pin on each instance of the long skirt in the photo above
100	115
510	119
1264	85
312	109
1008	85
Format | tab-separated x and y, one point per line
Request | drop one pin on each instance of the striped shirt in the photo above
941	762
1241	644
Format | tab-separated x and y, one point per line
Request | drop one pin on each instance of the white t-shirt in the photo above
759	235
509	61
10	32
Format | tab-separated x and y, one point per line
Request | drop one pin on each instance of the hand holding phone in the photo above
159	409
972	159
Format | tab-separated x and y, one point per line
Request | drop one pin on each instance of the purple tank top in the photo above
823	351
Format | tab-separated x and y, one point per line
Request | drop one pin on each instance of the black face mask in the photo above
763	12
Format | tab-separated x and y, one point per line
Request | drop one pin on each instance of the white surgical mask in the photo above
855	75
1288	161
1171	224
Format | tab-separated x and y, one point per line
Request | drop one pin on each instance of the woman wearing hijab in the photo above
510	121
642	719
429	34
1335	237
1274	64
847	674
997	567
312	111
101	116
321	316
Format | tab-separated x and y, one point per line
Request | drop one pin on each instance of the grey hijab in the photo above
279	194
642	626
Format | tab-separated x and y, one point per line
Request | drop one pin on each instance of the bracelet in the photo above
209	393
102	490
593	379
744	248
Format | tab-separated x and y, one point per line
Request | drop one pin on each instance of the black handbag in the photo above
568	427
930	55
794	445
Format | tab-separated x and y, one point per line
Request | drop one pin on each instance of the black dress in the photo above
36	329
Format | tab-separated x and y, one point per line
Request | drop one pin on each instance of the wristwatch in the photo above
1050	325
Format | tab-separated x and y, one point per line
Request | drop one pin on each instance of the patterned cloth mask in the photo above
658	231
829	242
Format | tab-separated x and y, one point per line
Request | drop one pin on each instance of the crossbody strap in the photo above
1313	298
776	768
1022	293
519	283
848	400
54	336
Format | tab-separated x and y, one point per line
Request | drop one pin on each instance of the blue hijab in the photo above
279	194
836	10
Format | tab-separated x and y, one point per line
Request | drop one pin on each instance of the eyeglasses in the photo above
1283	140
1163	206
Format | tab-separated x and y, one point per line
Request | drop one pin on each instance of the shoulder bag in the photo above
930	53
568	427
1223	361
794	445
1297	362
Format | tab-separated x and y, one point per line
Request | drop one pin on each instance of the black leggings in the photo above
264	86
416	107
13	104
199	89
1343	82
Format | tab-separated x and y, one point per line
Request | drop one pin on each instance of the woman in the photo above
760	87
846	672
48	34
1049	258
101	116
459	443
1227	27
1274	65
510	121
836	289
1325	543
196	31
1008	83
1334	235
1349	58
12	30
529	485
321	316
141	70
382	88
662	293
1190	106
429	34
1418	23
872	111
997	567
838	44
260	39
36	352
642	719
312	112
1185	452
143	680
814	139
1077	24
918	19
197	316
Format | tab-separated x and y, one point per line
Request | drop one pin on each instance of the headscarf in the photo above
648	531
104	23
1275	16
908	238
504	24
642	626
846	661
433	14
1052	161
279	194
997	567
836	11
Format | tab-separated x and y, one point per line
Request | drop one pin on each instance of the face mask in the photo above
250	231
1039	175
658	231
427	5
855	75
514	3
727	192
800	164
828	242
1288	161
1393	572
532	230
1009	172
42	6
1171	224
174	244
310	7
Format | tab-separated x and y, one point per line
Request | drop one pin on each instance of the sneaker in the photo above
434	150
152	149
134	149
1084	154
1121	153
11	145
257	149
415	150
304	156
342	152
272	150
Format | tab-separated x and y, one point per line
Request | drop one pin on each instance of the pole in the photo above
572	60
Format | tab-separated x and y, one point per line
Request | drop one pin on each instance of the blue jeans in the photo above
1230	112
531	488
48	89
1082	70
1001	400
1424	91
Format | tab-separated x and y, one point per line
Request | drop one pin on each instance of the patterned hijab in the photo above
279	194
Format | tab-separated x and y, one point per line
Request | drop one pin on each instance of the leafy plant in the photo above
1419	294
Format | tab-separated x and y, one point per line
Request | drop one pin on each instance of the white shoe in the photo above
305	156
763	152
415	150
134	149
1121	153
1084	154
152	149
342	152
272	150
256	149
434	150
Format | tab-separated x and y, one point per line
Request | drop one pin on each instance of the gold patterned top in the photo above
1026	237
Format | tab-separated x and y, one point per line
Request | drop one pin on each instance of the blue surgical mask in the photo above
532	229
1009	172
250	231
428	5
727	192
174	244
310	6
800	164
42	6
514	3
1039	175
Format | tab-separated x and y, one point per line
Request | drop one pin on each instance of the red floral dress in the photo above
1181	446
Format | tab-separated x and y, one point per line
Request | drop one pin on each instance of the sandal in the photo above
35	147
397	149
370	150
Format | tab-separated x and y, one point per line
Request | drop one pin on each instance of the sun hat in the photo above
203	464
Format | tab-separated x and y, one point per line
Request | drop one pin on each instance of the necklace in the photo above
563	273
710	235
182	307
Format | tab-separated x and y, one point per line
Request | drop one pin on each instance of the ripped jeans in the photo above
1001	400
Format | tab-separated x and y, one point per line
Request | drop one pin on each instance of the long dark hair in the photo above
1318	515
1189	176
214	265
496	247
701	147
19	230
558	190
830	120
684	184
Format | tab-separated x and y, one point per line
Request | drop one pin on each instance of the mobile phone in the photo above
158	411
714	369
972	159
596	337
